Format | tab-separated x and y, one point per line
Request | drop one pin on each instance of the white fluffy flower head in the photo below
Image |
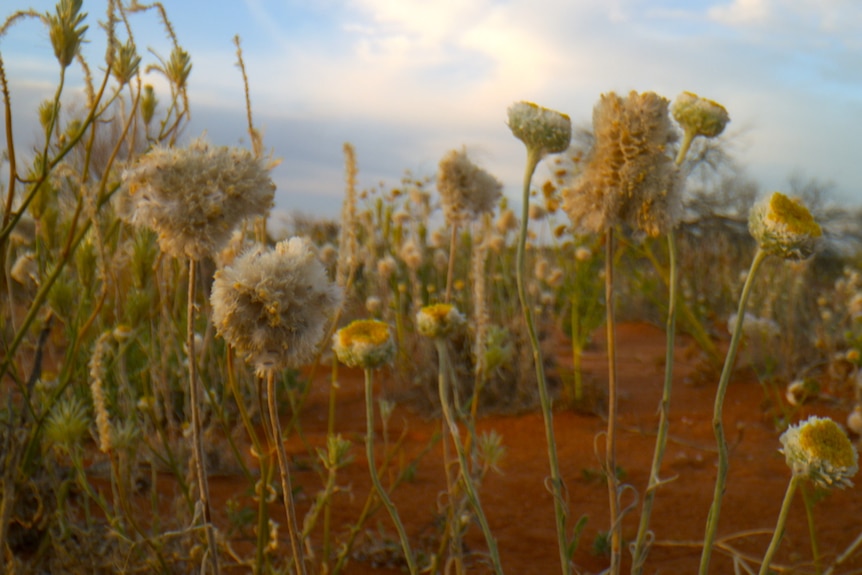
272	305
194	197
466	190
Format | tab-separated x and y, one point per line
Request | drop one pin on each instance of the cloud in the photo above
741	12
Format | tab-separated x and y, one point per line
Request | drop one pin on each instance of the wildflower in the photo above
194	197
67	423
328	254
496	243
699	116
506	222
411	255
441	260
629	177
439	320
372	304
542	269
784	227
97	371
148	104
801	390
271	304
386	267
537	212
466	190
66	31
754	327
852	355
854	420
555	278
439	239
25	270
401	217
583	254
365	343
820	450
542	130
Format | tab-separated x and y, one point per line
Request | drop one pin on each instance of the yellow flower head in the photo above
439	320
542	130
820	450
784	227
365	343
699	116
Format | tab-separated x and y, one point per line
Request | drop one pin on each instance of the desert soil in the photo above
519	507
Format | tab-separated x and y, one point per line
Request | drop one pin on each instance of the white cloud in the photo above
741	12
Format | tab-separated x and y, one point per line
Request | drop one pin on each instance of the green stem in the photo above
641	546
372	469
287	489
533	158
779	527
808	499
197	435
611	439
469	486
717	423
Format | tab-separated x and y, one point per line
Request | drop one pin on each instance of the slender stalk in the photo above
197	435
808	498
779	526
641	546
469	486
375	478
611	439
450	271
289	505
717	423
533	158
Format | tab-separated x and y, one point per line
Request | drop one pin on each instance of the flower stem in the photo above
289	505
611	439
372	469
779	526
197	436
469	487
533	157
717	423
641	546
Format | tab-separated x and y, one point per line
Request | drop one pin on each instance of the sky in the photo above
405	81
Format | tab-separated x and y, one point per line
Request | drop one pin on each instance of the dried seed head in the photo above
784	227
194	197
466	190
819	450
629	178
365	343
272	304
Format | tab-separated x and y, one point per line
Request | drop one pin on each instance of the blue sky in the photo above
407	80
